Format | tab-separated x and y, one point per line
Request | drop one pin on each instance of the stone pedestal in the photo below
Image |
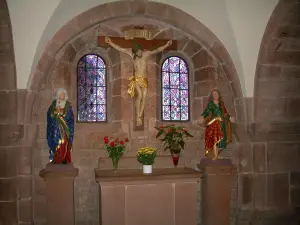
216	191
165	197
59	193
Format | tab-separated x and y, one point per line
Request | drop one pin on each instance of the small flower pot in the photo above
147	169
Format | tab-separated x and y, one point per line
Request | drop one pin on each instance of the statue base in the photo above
216	190
59	180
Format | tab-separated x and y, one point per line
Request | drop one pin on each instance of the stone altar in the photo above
165	197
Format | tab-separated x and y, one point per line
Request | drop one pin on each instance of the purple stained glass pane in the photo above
183	67
166	96
91	109
91	61
166	113
101	95
101	77
184	113
175	112
174	80
91	95
184	96
174	64
81	76
91	117
100	63
101	108
184	83
101	117
91	77
91	99
81	63
175	97
165	78
165	66
82	115
101	112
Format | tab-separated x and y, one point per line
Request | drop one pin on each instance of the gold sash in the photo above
141	81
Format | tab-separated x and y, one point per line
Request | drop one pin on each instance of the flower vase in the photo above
147	169
115	162
175	158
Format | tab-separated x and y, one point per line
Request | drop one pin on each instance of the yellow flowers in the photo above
146	151
146	155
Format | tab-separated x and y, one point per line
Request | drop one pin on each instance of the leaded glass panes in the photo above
91	89
175	90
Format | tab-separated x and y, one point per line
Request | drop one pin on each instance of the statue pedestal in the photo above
59	193
216	191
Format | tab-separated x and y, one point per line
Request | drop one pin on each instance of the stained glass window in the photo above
91	89
175	89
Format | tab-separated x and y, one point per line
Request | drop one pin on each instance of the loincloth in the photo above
141	81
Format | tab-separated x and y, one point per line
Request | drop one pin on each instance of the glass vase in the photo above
115	162
175	153
175	158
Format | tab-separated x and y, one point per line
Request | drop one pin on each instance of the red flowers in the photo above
161	127
115	142
106	140
170	129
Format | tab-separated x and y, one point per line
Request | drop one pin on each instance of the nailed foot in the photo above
139	122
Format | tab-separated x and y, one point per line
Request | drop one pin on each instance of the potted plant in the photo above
115	149
146	157
173	138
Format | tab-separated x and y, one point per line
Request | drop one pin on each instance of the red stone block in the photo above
278	190
192	48
202	59
137	6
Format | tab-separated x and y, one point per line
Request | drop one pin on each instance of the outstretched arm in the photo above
117	47
160	49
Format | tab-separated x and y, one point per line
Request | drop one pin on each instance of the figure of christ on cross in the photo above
139	80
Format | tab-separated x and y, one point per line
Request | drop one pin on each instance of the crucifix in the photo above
139	49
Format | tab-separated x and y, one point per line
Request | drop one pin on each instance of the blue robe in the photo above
58	128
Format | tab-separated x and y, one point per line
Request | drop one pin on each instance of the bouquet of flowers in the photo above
115	149
146	156
173	137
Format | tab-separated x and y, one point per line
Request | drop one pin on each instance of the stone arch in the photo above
149	9
276	81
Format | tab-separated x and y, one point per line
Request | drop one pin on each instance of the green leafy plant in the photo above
173	137
146	156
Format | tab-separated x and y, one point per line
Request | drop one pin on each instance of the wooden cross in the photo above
145	44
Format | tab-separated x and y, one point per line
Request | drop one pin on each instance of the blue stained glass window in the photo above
91	89
175	89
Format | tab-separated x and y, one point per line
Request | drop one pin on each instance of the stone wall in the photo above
270	186
15	135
